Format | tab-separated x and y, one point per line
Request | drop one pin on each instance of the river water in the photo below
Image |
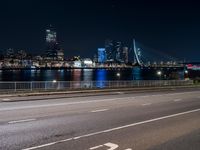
88	74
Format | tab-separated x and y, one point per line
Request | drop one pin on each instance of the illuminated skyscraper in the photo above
118	51
125	54
51	36
109	50
101	55
53	51
113	51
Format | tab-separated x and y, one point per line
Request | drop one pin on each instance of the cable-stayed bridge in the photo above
148	57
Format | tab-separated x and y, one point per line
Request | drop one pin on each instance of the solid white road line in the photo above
100	110
115	129
41	146
177	100
20	121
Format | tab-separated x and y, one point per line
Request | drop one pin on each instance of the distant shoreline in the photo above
61	68
109	68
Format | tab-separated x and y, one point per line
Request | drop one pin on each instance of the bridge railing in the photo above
73	85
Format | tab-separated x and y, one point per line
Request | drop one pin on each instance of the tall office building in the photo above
114	51
51	36
125	54
109	50
10	53
53	50
118	51
101	55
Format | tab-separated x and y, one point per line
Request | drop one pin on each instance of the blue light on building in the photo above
101	55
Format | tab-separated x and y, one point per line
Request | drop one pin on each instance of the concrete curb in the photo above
84	93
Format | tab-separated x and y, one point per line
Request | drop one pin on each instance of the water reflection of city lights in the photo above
101	77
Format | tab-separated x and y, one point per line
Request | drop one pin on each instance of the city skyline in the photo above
82	27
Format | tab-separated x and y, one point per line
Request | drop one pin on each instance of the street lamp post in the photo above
159	73
186	75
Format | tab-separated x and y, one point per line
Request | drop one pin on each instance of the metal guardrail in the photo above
35	86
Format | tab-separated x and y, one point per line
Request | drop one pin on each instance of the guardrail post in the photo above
90	84
58	85
31	86
15	86
45	85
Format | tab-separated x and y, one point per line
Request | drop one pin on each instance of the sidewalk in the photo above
84	93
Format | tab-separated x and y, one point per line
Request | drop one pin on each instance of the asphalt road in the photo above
159	120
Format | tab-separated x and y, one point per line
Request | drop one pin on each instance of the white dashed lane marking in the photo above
114	129
96	147
21	121
146	104
177	100
99	110
6	99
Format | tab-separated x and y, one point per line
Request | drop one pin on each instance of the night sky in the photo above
83	25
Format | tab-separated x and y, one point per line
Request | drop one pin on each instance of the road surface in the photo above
159	120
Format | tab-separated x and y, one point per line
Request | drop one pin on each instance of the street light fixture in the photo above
186	75
159	73
118	74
